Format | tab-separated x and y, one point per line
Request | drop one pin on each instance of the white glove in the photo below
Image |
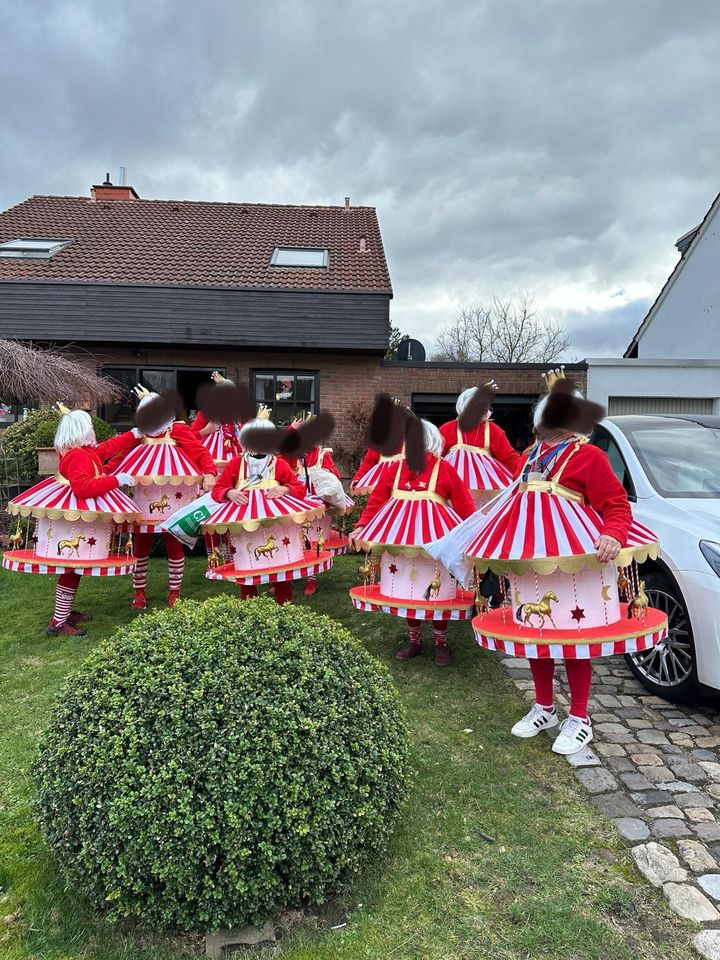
125	480
136	433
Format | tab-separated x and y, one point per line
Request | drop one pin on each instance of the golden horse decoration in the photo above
541	609
160	505
267	549
622	582
15	539
129	547
215	558
433	588
482	604
639	603
365	570
72	546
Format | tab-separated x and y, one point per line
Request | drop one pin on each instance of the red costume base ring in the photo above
26	561
309	566
496	630
370	600
336	545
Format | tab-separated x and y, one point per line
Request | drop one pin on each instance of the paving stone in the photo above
632	828
615	805
700	815
652	736
607	700
653	701
670	810
639	723
689	902
687	800
710	882
707	944
636	781
680	740
610	749
685	769
711	768
657	774
714	790
597	780
624	737
609	727
658	864
652	798
696	856
680	786
681	721
516	663
620	764
599	718
671	749
705	755
708	741
707	831
647	759
670	828
584	758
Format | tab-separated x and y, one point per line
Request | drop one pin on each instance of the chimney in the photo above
363	245
347	203
109	191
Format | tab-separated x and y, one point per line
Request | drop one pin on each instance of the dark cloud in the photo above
549	147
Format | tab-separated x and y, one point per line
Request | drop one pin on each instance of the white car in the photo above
670	467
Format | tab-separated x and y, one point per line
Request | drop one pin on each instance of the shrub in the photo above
21	439
216	763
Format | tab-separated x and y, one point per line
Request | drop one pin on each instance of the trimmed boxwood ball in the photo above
216	763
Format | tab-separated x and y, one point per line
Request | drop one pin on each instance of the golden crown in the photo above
61	408
141	392
263	412
217	377
552	376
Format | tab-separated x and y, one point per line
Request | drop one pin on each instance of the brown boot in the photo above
409	651
442	655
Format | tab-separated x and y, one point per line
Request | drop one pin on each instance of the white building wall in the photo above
655	386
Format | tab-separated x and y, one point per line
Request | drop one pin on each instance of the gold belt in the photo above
393	459
550	486
61	479
481	451
155	440
419	495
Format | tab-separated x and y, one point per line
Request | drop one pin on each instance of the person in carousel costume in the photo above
558	538
168	466
482	456
405	512
262	505
373	467
222	440
77	513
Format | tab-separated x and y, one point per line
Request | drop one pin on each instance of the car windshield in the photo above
681	459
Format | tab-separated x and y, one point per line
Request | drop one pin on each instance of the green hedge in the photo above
19	441
214	764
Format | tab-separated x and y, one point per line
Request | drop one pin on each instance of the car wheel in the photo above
668	669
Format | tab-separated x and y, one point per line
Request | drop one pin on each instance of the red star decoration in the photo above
92	541
578	614
286	541
178	495
392	568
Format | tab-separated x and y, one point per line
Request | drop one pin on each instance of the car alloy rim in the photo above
669	663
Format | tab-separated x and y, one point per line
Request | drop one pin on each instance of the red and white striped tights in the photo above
142	543
415	631
64	597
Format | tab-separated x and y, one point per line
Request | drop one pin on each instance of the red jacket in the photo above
588	472
199	422
369	460
189	444
499	447
283	474
83	467
449	486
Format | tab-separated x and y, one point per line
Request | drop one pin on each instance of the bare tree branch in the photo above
29	374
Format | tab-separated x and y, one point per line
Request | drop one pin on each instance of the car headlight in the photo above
711	552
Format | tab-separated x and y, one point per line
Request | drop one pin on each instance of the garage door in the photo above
617	406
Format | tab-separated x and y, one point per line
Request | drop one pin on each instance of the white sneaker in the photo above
573	736
533	722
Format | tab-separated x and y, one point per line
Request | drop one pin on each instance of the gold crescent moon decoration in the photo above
518	601
605	593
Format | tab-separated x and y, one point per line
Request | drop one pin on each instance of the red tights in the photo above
415	630
579	674
142	544
282	592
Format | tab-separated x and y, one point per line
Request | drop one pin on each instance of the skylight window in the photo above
299	257
32	249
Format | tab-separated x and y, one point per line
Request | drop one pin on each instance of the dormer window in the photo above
32	249
299	257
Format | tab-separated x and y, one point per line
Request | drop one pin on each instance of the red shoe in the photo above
410	651
66	630
138	601
173	597
310	587
442	655
76	617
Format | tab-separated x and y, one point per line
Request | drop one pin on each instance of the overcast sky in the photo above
557	147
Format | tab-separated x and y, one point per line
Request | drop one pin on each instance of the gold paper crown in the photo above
61	408
552	376
141	392
263	412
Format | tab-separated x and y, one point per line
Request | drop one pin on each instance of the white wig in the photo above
464	399
432	439
259	423
74	430
542	403
145	401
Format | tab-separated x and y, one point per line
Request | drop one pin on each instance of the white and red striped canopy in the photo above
370	479
261	510
56	500
541	531
160	463
404	526
479	472
215	444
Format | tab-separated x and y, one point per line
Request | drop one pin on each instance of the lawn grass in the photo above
553	881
